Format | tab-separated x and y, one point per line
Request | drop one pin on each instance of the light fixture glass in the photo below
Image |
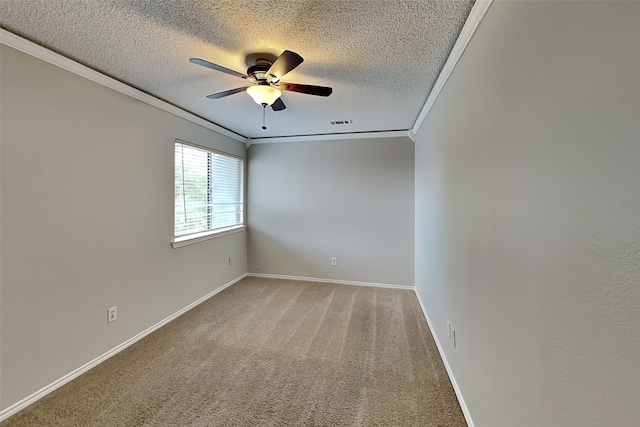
263	94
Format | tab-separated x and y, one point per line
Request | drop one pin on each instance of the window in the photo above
209	193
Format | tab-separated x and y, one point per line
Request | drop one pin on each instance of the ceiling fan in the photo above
265	78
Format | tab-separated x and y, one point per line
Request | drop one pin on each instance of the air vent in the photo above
342	122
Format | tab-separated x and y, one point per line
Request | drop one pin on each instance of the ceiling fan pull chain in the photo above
264	113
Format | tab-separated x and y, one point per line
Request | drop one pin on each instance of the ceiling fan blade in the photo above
227	93
308	89
216	67
278	105
283	64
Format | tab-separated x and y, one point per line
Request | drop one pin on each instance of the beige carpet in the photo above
268	352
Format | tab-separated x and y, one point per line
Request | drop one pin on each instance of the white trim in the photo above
6	413
332	136
40	52
463	405
190	239
478	12
340	282
476	15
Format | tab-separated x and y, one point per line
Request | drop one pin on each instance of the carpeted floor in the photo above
269	352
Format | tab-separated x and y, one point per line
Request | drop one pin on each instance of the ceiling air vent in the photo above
342	122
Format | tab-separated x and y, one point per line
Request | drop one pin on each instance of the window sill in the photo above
200	237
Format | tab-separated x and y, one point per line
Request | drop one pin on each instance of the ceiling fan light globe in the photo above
263	94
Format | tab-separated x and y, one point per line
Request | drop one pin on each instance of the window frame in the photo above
190	238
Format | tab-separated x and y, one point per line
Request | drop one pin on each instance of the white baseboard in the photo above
340	282
6	413
463	405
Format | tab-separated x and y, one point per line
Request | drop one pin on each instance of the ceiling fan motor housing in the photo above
265	77
258	73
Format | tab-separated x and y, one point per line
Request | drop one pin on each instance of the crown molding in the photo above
331	136
23	45
474	19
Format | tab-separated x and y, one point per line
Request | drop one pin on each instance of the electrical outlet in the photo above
112	314
448	328
334	260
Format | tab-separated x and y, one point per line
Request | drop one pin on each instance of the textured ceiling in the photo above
381	57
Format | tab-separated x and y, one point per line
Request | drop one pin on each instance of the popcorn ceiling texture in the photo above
381	57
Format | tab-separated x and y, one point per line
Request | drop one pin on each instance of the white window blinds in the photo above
209	190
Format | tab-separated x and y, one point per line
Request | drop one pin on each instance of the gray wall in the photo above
347	198
87	220
528	216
